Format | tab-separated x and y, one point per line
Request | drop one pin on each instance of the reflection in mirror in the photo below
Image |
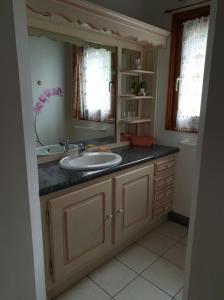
74	90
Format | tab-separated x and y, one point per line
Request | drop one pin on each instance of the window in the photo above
96	80
188	51
93	89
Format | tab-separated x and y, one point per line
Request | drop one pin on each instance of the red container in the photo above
143	140
125	137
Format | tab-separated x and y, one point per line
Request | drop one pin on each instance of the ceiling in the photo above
150	11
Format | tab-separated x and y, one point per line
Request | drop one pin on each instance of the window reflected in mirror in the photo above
74	90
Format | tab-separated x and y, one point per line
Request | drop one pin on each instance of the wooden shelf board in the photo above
133	72
134	97
135	121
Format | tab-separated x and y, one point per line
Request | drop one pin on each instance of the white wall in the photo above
21	250
51	63
205	271
186	157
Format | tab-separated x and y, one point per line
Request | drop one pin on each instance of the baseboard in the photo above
179	219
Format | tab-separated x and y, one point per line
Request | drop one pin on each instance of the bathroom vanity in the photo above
88	217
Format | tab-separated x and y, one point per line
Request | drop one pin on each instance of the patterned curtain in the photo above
96	95
194	44
93	87
77	71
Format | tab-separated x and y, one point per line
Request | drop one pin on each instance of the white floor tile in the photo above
140	289
172	230
137	258
177	255
84	290
113	276
179	296
156	242
165	275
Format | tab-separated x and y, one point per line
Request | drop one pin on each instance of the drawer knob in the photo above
110	216
120	210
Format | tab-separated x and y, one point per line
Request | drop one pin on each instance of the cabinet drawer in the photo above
162	196
162	183
163	202
164	166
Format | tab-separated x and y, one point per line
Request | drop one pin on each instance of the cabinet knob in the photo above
110	216
120	210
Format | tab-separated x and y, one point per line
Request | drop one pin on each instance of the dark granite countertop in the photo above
53	178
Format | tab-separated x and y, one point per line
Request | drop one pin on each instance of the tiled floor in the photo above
151	269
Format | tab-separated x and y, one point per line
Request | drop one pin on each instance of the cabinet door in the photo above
133	202
80	228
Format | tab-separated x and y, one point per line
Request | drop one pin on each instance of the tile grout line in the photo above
137	275
158	287
160	255
176	265
122	287
168	236
135	270
178	292
140	274
99	286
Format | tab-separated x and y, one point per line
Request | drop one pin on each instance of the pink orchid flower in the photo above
47	92
43	98
38	106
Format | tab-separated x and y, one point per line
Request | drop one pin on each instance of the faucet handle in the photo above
64	143
81	148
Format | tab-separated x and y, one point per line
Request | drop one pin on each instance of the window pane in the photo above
96	80
191	73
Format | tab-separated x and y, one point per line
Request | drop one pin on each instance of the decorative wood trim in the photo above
175	61
88	16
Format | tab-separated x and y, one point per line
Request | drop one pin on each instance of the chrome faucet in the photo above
64	143
81	148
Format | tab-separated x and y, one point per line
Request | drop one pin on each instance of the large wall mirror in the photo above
74	89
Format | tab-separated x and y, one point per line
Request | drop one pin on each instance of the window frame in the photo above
175	62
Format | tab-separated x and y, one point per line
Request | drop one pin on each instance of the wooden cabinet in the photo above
80	228
133	202
93	222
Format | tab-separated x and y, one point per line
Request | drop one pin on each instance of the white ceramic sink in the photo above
91	161
53	149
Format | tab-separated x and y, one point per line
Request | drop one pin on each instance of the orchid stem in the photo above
35	129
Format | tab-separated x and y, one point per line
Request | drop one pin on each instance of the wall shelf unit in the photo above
134	97
136	72
135	121
137	91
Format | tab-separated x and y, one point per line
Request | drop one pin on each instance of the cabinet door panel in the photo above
135	210
133	202
81	239
80	229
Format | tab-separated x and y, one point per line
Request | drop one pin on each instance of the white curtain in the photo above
95	94
194	44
